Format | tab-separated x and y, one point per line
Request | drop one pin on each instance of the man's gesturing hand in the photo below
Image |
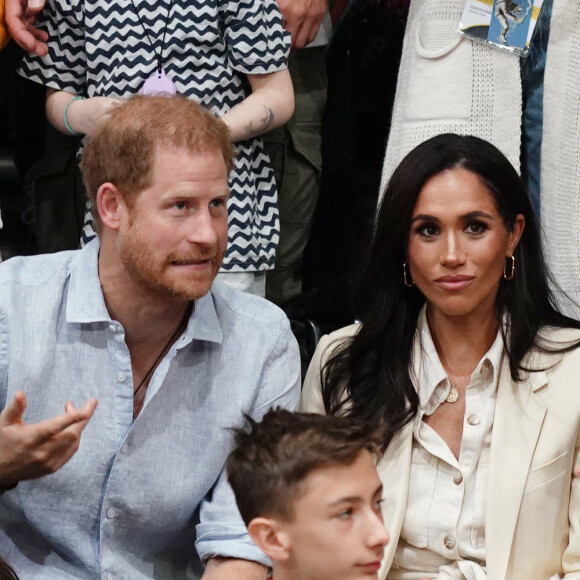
302	18
31	451
20	16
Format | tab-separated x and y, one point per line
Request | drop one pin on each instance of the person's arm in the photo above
31	451
270	105
20	17
221	536
228	568
83	115
302	18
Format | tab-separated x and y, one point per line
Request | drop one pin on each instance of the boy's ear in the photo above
269	536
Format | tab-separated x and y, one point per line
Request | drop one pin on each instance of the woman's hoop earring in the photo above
406	277
509	268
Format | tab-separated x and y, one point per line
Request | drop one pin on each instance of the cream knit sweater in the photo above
448	83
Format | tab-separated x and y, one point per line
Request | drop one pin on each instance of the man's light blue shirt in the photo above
137	495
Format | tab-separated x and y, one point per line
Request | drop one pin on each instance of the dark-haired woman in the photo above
464	353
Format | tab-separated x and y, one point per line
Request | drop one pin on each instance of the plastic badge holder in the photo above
505	24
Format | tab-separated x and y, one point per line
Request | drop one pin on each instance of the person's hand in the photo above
302	18
20	16
85	115
31	451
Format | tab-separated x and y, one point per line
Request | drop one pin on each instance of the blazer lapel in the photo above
394	470
518	419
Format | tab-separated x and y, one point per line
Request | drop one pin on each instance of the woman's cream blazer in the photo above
532	524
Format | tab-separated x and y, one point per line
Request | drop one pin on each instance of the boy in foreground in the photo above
308	490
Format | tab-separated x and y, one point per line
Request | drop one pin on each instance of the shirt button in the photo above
110	576
449	542
121	377
473	420
112	328
457	477
123	449
111	513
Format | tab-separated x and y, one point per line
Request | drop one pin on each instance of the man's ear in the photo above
269	536
111	205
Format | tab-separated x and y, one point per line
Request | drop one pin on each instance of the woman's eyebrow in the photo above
423	217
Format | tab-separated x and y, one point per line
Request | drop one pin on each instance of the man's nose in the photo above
202	229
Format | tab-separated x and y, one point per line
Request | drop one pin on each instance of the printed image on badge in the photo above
510	22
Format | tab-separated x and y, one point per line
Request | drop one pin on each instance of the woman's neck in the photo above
461	341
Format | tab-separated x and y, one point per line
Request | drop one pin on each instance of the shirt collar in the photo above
86	304
85	301
429	376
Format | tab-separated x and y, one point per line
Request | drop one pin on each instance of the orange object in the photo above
4	37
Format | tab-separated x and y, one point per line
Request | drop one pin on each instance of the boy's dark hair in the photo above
272	458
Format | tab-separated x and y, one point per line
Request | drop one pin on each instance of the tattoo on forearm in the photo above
265	123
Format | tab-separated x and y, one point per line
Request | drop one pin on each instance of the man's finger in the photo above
35	6
13	412
52	427
21	25
87	409
307	31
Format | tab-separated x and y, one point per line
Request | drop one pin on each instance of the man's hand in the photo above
31	451
302	18
20	17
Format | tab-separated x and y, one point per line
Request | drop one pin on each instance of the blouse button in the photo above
457	477
473	420
449	542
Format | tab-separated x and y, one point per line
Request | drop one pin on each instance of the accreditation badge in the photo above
504	24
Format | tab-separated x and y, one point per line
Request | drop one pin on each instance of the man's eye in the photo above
218	203
180	205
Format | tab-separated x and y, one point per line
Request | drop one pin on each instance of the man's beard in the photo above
158	273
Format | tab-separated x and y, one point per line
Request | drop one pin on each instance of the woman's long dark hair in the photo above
368	376
6	572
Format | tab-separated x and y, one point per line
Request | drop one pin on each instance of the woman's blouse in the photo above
443	530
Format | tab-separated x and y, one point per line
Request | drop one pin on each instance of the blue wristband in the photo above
68	127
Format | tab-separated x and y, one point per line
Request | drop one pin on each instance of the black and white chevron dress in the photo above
99	48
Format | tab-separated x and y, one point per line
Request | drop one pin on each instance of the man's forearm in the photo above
230	568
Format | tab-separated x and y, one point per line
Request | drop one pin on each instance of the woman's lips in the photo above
454	282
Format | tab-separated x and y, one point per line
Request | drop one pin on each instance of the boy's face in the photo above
337	532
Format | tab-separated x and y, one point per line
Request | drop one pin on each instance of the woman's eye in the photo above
428	230
378	504
476	228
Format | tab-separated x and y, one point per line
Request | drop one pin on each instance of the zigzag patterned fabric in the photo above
99	48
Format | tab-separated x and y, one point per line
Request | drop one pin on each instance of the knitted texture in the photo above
448	83
560	176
